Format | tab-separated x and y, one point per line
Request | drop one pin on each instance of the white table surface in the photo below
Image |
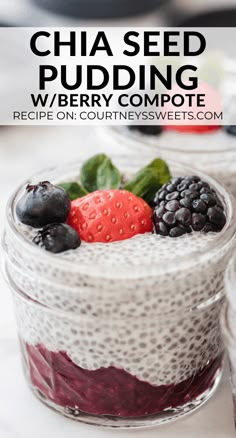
22	152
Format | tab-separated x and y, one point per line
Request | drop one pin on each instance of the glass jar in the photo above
122	334
213	153
228	324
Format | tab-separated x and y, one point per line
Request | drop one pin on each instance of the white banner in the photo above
120	76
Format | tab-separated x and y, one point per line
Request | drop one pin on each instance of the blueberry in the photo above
43	204
184	216
147	129
230	129
57	238
198	221
199	206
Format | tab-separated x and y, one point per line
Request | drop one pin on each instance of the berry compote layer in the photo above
127	328
109	391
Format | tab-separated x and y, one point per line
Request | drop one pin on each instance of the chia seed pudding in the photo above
122	334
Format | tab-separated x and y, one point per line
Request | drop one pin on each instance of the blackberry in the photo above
57	238
187	204
43	204
147	129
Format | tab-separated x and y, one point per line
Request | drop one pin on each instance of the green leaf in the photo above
74	190
149	180
99	173
161	169
108	176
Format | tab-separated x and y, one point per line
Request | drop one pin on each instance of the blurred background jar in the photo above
202	13
109	12
213	152
84	12
118	12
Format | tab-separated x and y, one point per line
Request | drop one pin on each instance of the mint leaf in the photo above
161	169
88	174
74	190
144	185
99	173
149	180
108	176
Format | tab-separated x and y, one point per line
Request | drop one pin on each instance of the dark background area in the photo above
118	12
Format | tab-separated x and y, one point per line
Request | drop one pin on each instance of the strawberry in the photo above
109	215
193	129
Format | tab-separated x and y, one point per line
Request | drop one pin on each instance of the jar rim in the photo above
230	281
219	241
226	329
